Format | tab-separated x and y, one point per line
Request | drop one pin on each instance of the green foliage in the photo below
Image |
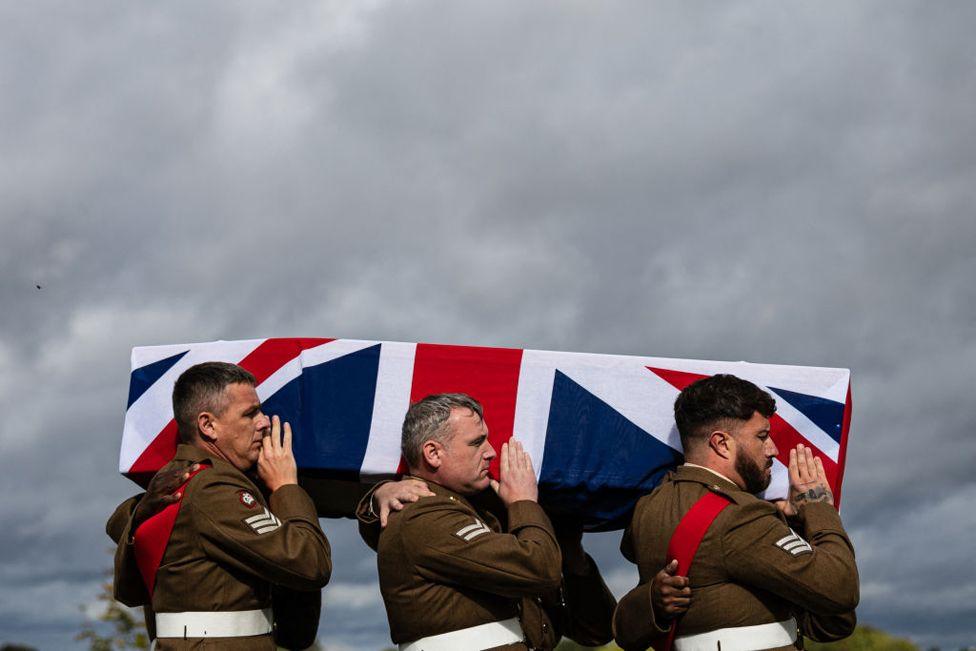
128	632
568	645
866	638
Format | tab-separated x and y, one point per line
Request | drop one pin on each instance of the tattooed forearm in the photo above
815	494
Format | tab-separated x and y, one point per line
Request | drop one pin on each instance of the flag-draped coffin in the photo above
600	428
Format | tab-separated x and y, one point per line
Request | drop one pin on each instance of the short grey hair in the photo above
201	388
426	420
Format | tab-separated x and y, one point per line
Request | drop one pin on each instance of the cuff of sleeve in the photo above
291	501
527	513
820	516
655	622
364	510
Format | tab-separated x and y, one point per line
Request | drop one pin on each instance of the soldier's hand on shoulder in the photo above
276	462
516	476
161	492
394	495
670	593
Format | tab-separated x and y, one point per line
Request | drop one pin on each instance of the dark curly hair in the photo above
710	401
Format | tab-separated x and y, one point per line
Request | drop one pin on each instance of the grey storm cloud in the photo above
777	182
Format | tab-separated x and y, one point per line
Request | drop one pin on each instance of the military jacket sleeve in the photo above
369	521
586	613
119	520
296	616
127	584
815	571
283	545
449	543
827	628
634	622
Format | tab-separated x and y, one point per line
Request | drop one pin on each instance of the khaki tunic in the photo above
581	609
745	572
216	561
436	577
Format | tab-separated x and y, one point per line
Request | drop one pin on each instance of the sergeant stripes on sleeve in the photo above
263	522
794	544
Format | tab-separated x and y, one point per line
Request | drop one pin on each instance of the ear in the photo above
432	452
207	426
721	443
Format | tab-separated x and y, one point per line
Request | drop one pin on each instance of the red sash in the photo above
688	536
152	537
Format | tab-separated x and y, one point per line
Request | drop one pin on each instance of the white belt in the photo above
230	623
475	638
740	638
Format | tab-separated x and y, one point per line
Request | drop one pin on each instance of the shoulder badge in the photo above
247	499
472	531
794	544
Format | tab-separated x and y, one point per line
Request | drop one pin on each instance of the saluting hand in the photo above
276	462
808	481
516	476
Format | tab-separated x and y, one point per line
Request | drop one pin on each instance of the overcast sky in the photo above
778	182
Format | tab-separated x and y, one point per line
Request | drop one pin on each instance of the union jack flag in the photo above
600	428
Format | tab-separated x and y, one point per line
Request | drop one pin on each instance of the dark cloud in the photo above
788	184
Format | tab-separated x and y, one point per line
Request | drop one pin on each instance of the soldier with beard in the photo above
764	574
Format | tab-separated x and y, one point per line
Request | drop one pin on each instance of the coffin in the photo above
600	428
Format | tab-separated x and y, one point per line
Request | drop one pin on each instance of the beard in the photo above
755	478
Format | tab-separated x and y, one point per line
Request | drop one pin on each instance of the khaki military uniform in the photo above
295	612
227	550
445	566
581	609
751	568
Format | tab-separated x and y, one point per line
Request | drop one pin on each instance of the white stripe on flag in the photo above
532	403
779	485
148	415
637	393
830	383
293	368
806	427
393	383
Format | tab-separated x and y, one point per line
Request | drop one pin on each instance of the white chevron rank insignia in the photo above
794	544
263	522
472	531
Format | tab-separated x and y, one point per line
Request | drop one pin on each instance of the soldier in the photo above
221	547
295	613
762	572
450	577
581	610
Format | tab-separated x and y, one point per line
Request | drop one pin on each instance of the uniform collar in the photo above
187	452
707	476
711	470
443	491
195	454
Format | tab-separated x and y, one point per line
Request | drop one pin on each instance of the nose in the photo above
771	449
490	452
264	423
